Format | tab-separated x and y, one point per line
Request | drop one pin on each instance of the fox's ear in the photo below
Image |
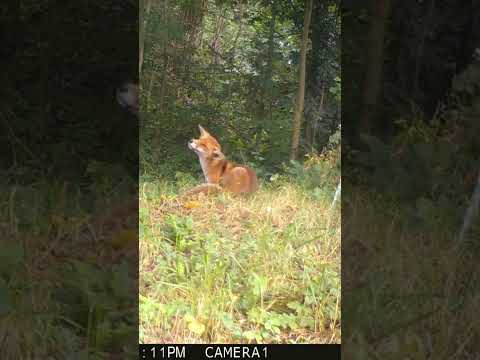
203	132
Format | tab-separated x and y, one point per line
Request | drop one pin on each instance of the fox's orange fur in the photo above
220	173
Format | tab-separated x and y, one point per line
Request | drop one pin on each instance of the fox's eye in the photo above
217	154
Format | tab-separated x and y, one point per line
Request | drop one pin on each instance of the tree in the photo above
372	86
297	118
322	83
141	36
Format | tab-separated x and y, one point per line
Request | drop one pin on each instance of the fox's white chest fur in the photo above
203	164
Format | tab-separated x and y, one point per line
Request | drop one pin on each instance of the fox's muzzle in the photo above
191	144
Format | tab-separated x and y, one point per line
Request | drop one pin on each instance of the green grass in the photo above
264	268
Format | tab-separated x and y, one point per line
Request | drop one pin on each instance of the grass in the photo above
232	269
65	290
265	268
416	288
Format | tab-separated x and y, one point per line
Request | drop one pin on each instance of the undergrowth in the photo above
411	286
408	292
263	268
66	286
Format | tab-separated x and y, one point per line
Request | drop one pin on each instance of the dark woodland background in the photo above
61	69
410	160
411	100
68	155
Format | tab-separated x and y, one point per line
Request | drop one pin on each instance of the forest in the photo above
68	155
264	78
410	110
235	66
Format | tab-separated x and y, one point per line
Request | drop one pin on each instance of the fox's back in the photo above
239	178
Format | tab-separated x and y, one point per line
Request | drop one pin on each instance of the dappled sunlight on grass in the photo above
263	268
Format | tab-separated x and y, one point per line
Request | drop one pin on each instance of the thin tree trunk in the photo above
141	37
297	119
421	46
311	127
268	77
192	18
163	85
165	59
143	10
219	27
150	89
322	107
372	87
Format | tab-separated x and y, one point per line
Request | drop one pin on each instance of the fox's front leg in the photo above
203	188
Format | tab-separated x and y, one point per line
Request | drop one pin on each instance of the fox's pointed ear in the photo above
203	132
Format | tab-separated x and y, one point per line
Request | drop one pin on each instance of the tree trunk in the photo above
141	37
215	44
311	127
165	59
297	118
372	87
150	89
143	10
268	74
420	49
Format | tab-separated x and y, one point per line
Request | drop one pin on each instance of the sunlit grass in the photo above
264	268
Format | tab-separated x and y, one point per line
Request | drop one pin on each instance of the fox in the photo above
220	174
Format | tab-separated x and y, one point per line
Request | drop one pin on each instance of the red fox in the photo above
220	173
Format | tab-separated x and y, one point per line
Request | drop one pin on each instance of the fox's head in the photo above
206	147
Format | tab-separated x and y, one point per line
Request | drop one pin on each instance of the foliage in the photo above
409	180
320	173
430	166
58	110
232	67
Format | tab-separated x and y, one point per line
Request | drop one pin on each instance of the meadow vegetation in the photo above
226	268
